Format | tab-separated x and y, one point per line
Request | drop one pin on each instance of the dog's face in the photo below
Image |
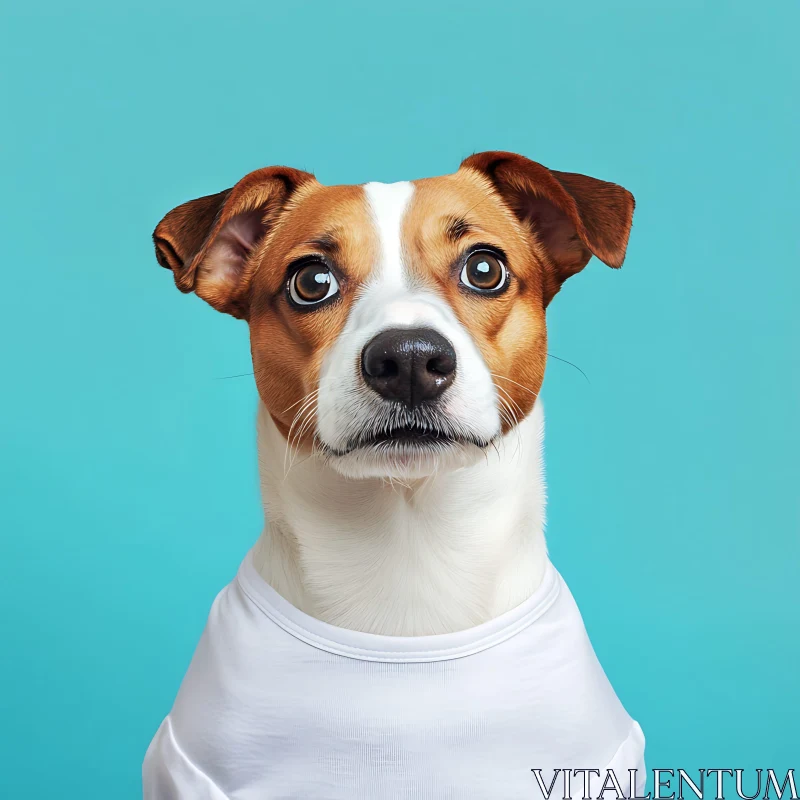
397	328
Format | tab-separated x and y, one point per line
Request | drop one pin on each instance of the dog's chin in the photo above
406	455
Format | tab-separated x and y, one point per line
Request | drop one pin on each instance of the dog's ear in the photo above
571	216
207	242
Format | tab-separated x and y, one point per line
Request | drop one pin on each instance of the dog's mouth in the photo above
408	435
409	439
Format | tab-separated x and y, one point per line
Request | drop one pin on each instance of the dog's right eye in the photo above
484	272
312	284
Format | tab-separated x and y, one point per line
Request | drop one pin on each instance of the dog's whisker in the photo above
511	380
314	392
228	377
564	360
304	427
513	402
309	400
512	419
308	412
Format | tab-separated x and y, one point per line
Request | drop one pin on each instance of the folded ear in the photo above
207	242
571	216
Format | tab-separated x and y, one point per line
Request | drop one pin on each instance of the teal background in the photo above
128	480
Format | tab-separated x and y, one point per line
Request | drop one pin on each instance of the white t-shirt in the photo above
277	704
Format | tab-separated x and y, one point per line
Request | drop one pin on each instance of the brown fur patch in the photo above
509	328
288	345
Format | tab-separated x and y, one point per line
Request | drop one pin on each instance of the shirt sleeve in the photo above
167	773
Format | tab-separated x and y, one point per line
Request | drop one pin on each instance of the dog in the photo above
398	630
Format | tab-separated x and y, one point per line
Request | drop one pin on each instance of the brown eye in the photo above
312	283
484	272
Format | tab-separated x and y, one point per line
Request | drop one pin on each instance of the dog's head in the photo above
399	329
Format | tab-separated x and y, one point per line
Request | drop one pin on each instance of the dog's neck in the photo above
434	556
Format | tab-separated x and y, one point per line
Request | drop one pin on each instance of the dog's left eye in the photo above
484	272
312	283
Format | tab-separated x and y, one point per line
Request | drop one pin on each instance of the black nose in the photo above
411	365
